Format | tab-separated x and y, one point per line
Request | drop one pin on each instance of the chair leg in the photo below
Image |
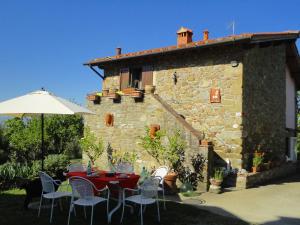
163	191
84	210
40	204
51	210
70	210
74	210
158	214
92	214
141	214
123	208
60	205
107	209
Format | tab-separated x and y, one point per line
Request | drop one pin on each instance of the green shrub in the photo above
11	173
257	160
73	149
55	163
92	146
219	174
20	139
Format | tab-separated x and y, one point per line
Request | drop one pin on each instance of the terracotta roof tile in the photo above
232	38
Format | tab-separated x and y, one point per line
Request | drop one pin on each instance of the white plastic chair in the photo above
83	195
124	167
147	194
76	167
48	191
160	173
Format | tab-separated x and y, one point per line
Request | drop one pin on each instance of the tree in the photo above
64	132
3	147
61	135
92	146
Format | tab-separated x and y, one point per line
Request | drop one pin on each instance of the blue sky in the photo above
44	43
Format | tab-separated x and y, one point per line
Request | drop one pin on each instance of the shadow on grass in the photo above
12	213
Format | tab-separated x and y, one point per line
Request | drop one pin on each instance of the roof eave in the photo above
264	38
225	42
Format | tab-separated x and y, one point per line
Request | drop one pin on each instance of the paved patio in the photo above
276	203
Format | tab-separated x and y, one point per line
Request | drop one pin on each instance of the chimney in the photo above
205	35
184	36
118	51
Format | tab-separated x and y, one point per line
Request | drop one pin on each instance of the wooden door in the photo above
124	78
147	76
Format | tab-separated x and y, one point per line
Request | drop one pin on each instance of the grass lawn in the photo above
12	213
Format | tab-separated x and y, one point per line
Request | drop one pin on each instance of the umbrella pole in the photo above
42	127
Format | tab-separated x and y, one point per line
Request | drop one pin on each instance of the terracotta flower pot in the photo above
215	182
128	91
113	95
153	129
170	182
256	169
105	92
136	94
109	120
93	97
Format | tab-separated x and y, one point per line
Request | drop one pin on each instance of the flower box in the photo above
113	96
128	91
93	97
137	94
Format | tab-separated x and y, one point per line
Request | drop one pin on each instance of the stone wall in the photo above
130	119
250	94
198	71
252	179
264	101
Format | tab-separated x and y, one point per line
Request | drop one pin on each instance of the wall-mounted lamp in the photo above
234	63
175	77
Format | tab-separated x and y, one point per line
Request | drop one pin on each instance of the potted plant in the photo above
165	154
136	94
91	146
218	177
257	161
113	93
216	180
93	97
105	92
128	90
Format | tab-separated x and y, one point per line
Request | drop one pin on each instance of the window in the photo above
136	77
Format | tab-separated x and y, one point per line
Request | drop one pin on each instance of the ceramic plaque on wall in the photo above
215	95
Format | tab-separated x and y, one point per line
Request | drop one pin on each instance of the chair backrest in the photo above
47	182
124	167
81	187
161	172
76	167
149	188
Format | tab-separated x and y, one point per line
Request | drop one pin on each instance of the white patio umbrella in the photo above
40	103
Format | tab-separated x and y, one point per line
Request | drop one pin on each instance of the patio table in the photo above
101	180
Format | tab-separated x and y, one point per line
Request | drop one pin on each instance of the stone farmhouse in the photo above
228	96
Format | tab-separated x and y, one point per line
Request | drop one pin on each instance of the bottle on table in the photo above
89	168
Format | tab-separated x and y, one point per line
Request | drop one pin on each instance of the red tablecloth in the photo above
101	180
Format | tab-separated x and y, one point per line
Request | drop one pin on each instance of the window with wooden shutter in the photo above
124	78
147	76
